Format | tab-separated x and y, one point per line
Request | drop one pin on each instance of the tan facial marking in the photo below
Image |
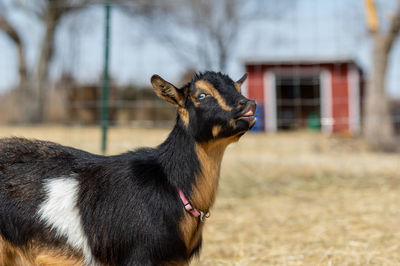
184	115
209	88
232	123
195	102
216	130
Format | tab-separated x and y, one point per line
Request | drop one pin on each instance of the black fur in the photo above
129	206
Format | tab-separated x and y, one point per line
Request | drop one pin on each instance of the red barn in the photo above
315	93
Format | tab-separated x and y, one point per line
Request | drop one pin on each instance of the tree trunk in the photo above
46	54
23	90
22	70
378	127
15	37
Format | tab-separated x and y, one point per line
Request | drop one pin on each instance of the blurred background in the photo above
317	180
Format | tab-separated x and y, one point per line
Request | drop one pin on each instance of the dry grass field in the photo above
285	199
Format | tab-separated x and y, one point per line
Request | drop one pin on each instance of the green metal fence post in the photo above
106	81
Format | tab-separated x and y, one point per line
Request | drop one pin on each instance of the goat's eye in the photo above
202	96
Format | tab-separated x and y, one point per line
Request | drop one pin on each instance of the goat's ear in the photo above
242	79
167	91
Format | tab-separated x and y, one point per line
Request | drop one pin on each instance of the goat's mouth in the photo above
247	115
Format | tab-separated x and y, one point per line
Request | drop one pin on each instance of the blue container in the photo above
259	126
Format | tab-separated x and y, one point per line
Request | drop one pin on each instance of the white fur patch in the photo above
60	212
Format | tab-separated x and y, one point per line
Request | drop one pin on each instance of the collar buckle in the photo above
202	215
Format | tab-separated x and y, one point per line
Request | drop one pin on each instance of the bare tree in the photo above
22	92
202	33
378	127
50	12
15	37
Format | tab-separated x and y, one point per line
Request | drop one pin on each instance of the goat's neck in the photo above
177	155
193	166
205	188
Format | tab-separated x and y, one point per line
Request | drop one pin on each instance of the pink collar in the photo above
189	208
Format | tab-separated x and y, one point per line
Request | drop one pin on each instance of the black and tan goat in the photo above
63	206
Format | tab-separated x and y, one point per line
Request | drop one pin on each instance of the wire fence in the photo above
313	29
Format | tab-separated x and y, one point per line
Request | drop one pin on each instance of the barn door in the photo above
298	101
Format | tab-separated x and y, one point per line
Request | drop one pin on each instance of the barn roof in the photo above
310	60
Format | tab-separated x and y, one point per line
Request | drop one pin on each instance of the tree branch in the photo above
394	28
9	30
395	22
14	36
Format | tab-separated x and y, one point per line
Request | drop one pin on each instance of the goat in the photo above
64	206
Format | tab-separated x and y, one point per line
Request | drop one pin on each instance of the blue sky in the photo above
310	28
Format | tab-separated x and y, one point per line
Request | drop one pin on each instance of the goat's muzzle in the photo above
248	112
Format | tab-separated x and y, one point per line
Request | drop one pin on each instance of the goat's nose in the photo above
253	104
250	103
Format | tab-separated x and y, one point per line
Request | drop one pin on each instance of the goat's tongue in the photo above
250	112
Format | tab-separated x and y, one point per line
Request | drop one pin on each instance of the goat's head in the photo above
211	106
